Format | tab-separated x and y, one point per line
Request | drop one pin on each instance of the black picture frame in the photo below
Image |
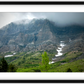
41	81
41	3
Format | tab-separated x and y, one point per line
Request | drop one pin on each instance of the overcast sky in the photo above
61	18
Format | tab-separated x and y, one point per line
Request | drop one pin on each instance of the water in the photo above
59	50
10	55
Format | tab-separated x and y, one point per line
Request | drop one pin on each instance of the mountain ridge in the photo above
36	34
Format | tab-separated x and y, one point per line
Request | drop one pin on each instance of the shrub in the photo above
69	70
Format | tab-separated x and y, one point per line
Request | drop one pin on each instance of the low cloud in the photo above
60	18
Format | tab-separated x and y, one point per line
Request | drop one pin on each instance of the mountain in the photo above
38	34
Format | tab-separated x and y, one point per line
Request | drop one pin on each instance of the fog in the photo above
60	18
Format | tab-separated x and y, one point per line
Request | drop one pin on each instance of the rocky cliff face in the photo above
37	34
17	37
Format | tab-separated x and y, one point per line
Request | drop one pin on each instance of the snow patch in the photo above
10	55
59	50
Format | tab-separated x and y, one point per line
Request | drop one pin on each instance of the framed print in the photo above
41	42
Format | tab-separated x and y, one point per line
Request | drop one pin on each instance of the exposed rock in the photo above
39	34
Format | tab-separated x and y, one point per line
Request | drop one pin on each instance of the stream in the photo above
59	50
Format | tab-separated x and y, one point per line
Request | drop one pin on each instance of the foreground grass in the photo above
35	69
76	66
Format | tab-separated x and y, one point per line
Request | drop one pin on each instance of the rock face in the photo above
35	35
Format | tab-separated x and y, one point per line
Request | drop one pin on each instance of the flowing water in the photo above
59	50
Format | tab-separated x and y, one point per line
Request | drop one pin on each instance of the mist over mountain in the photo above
38	34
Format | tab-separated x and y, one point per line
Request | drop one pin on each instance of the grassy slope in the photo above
69	62
76	66
29	62
62	66
27	59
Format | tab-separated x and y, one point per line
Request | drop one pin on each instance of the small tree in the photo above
4	65
45	63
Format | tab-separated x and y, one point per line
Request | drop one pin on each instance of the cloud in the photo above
64	18
5	18
60	18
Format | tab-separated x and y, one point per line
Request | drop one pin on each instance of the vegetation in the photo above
45	63
12	68
71	56
69	70
39	62
4	67
75	66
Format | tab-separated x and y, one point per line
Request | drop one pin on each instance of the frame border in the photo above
41	3
41	81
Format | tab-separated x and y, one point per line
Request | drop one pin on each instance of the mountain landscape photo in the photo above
42	42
